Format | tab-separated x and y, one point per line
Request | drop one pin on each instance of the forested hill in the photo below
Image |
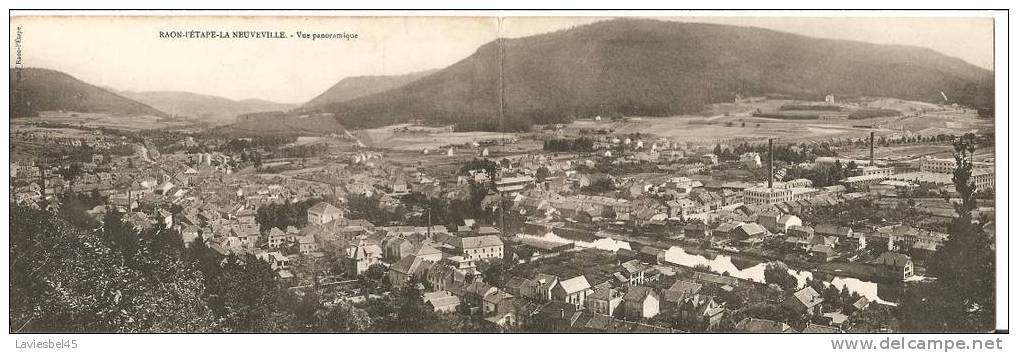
204	107
658	68
360	86
34	89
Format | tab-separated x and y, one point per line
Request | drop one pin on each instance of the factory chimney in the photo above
770	163
872	160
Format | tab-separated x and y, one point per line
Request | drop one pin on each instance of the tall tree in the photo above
962	298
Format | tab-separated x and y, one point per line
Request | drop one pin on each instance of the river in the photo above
883	293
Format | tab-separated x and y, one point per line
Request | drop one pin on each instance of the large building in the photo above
872	170
513	184
982	178
862	181
323	212
765	195
946	165
481	247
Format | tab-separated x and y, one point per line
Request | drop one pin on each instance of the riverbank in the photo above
861	271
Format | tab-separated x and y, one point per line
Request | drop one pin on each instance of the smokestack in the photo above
770	164
42	182
872	160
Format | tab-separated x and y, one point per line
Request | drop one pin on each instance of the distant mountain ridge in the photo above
204	107
361	86
641	67
40	89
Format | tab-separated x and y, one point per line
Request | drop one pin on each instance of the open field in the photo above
911	152
733	122
421	138
57	132
700	130
313	126
96	120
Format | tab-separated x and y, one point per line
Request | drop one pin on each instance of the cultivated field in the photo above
95	120
418	138
284	126
731	122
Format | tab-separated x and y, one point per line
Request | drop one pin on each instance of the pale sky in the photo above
126	53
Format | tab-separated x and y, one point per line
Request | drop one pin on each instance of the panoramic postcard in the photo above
215	174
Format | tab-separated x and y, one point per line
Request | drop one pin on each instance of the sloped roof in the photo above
603	294
638	293
833	229
681	289
275	232
497	296
808	297
633	266
323	208
483	241
893	259
575	284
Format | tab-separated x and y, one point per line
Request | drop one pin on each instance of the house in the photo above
650	255
641	302
516	286
861	304
895	265
360	257
541	287
821	253
749	231
780	224
505	317
800	231
754	325
189	234
443	276
726	230
534	207
632	273
275	260
854	241
679	291
427	252
573	290
514	312
480	247
491	301
701	311
407	269
276	238
804	301
395	248
165	218
604	301
442	301
247	234
829	230
556	316
474	293
306	244
323	212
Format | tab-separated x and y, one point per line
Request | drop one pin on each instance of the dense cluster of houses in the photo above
199	197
